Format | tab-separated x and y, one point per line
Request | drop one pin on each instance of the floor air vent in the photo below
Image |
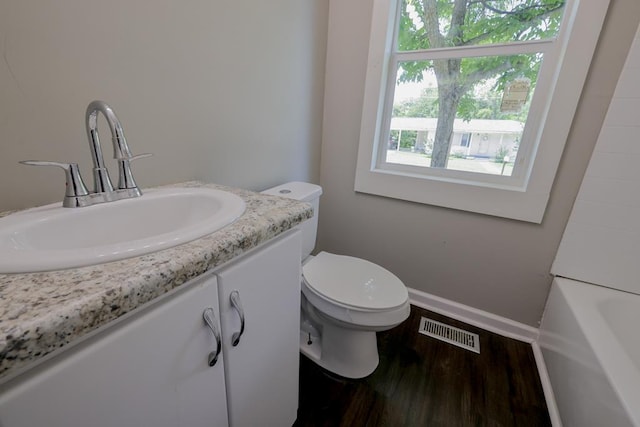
449	334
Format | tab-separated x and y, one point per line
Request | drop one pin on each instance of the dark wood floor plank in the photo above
422	381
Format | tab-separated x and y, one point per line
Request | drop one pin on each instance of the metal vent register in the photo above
446	333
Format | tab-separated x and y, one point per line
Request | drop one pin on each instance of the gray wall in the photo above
501	266
232	92
222	91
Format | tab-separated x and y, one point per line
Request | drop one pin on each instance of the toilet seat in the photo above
354	283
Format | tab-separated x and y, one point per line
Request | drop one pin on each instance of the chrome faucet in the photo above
76	194
121	152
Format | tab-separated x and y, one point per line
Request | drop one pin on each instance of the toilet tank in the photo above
305	192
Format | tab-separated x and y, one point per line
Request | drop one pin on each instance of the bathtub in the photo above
590	342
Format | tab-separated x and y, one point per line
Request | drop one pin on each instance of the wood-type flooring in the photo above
422	381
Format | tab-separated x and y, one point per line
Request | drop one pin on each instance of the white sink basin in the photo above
52	237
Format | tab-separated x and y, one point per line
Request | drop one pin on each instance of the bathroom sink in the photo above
52	237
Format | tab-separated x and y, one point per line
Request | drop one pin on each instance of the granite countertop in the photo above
42	312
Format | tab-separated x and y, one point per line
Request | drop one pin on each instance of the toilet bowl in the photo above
345	300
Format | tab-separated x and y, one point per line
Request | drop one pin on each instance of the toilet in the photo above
344	301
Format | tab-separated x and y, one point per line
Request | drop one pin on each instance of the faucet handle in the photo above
126	181
132	158
75	187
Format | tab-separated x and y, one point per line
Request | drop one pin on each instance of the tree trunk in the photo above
449	92
447	75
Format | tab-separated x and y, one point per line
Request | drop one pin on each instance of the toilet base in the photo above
346	352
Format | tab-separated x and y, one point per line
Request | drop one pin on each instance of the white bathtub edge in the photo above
608	357
549	396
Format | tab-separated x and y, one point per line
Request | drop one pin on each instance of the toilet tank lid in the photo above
303	191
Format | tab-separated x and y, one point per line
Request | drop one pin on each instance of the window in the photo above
468	102
465	140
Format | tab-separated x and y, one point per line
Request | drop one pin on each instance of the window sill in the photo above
513	203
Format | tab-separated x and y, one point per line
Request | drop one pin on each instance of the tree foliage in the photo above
434	24
486	106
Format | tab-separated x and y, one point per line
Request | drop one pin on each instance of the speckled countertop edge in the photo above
42	312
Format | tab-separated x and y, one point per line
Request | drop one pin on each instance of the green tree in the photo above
433	24
424	106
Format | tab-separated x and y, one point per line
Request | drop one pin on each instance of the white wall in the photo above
600	243
493	264
228	92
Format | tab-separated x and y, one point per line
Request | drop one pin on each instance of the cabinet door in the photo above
262	369
149	370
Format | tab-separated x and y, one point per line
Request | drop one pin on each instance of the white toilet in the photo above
345	300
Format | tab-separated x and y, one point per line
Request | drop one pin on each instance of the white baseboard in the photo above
496	324
473	316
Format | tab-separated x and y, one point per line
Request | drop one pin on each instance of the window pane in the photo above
464	114
429	24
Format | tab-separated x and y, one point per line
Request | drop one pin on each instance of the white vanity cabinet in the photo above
262	369
148	370
152	368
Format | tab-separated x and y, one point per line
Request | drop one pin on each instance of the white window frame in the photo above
522	196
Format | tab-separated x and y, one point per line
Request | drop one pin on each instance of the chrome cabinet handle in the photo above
235	302
208	315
